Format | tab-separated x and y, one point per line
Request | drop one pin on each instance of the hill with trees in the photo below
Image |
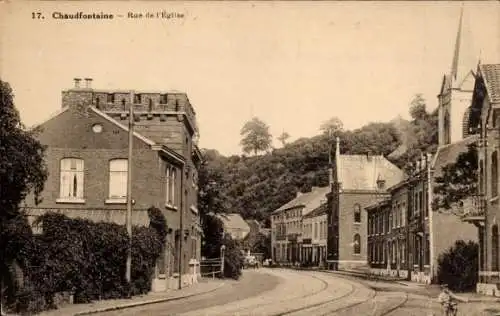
254	186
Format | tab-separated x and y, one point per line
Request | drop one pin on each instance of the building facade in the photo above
287	225
406	235
235	226
87	151
388	234
484	119
314	236
358	181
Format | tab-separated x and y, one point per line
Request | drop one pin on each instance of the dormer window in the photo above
381	184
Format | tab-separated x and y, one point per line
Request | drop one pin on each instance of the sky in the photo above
292	64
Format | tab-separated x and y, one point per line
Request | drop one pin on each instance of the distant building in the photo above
287	225
484	119
358	181
314	236
235	226
87	162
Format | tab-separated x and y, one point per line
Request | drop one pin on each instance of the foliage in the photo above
420	135
88	259
283	138
213	233
331	126
262	245
22	167
256	136
457	267
233	258
255	186
458	180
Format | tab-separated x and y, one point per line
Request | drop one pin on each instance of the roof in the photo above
361	172
234	221
449	153
308	200
378	204
320	210
491	76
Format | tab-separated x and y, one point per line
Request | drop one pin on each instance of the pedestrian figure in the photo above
448	301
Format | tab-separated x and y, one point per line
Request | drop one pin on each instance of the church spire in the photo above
458	44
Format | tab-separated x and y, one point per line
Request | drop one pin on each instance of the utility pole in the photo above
129	187
181	227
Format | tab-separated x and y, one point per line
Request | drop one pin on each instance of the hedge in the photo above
458	266
88	259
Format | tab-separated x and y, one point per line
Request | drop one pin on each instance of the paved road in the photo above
280	292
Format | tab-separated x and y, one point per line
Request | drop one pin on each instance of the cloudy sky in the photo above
293	64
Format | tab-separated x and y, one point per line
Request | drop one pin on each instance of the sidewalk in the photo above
204	286
431	290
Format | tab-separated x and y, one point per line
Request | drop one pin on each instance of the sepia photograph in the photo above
249	158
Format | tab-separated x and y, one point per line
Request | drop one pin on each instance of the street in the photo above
302	293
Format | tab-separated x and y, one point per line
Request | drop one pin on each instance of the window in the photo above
315	230
71	186
110	98
163	99
118	172
357	213
170	185
427	250
150	105
357	244
494	174
481	177
137	99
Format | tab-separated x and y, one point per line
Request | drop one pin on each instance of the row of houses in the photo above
87	151
381	219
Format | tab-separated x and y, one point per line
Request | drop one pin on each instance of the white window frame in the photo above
170	186
71	180
116	175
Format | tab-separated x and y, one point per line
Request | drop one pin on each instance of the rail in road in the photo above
321	294
360	300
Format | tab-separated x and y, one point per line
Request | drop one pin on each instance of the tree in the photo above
283	138
22	170
256	136
331	126
458	180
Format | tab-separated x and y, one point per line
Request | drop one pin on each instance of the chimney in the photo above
77	82
88	83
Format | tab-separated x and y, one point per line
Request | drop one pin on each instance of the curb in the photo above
150	302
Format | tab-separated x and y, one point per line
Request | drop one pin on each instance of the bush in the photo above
233	259
88	259
458	266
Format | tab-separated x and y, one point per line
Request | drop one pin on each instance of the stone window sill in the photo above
70	200
171	207
194	209
116	201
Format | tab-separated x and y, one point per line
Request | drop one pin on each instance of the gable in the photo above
72	128
467	82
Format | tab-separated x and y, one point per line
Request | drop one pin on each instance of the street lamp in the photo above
222	250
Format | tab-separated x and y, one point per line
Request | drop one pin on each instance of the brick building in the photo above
484	119
388	234
87	150
358	181
287	225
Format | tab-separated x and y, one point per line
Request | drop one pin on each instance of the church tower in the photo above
456	88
